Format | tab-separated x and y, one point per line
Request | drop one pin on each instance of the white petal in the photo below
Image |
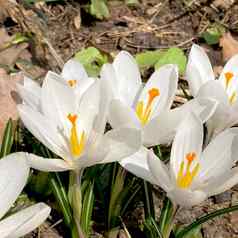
122	115
225	182
188	139
89	108
199	69
118	144
165	80
108	76
230	67
187	198
30	93
46	164
138	165
25	221
217	158
73	70
162	129
14	172
57	99
159	171
128	77
43	130
213	89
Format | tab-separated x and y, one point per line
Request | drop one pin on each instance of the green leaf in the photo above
87	206
148	200
152	229
99	9
92	59
8	138
213	34
173	56
185	232
148	58
132	2
166	217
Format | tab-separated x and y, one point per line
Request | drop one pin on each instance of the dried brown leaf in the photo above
8	97
229	46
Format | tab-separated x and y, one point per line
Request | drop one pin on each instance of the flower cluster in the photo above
69	112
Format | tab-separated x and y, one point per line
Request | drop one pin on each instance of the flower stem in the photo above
148	203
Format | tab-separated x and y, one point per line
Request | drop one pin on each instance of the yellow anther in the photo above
185	179
232	98
228	76
72	82
76	144
144	113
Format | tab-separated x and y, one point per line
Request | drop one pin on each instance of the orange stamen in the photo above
72	82
184	180
228	76
144	114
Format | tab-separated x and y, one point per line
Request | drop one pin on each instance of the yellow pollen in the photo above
228	76
232	98
76	144
144	113
72	82
184	180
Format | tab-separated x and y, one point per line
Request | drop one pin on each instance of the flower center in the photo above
186	175
143	112
76	144
72	82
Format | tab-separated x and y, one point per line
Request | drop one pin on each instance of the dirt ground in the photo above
60	30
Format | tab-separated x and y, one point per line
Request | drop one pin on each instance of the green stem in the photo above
149	203
204	219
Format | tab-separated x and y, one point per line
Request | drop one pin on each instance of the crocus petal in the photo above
57	99
138	165
162	129
159	171
230	68
120	143
216	159
199	69
46	164
89	108
14	172
165	80
213	89
30	93
128	77
224	182
108	76
43	129
25	221
188	139
122	115
73	70
187	198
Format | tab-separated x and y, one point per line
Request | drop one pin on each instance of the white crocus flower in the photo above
14	172
73	74
192	174
73	128
147	107
202	83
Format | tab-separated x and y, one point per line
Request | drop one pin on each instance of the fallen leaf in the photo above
229	46
77	22
8	97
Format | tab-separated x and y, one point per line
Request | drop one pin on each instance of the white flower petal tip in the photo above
25	221
198	70
206	107
14	171
137	164
48	165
